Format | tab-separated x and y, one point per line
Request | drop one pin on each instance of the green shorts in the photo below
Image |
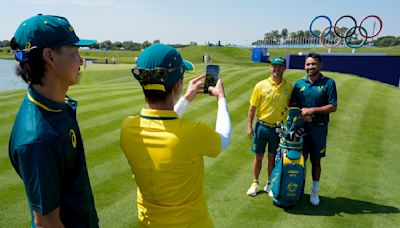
264	135
315	141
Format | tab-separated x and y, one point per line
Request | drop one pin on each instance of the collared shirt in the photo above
320	93
47	152
271	100
165	154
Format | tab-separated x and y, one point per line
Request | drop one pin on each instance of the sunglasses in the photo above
21	56
153	76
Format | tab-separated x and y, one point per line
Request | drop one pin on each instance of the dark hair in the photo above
33	70
155	96
315	56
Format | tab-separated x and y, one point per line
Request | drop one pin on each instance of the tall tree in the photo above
284	33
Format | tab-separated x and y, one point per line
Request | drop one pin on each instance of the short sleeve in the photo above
255	96
40	165
290	88
209	140
294	98
332	94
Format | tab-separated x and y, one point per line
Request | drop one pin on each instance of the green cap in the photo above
279	60
47	31
165	56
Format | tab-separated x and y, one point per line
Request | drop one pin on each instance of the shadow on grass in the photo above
339	205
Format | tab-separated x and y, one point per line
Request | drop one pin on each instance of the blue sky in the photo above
180	21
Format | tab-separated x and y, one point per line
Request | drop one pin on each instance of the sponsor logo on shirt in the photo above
73	138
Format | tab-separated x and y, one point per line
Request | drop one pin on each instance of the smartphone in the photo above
212	72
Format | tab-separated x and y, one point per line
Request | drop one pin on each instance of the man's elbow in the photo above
334	108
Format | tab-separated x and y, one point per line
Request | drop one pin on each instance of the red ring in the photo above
366	35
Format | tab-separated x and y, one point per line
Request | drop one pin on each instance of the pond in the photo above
8	78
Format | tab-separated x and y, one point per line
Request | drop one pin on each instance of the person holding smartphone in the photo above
165	152
269	100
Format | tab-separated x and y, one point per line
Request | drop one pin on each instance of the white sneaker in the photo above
267	189
314	198
254	189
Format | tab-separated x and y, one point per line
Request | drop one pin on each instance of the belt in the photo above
267	124
317	123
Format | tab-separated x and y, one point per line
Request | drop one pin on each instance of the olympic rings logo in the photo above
345	35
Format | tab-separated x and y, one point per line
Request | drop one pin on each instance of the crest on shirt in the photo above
268	91
302	89
73	138
320	88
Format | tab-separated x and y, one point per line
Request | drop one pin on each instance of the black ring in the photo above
334	28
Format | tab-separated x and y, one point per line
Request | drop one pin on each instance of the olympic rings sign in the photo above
345	35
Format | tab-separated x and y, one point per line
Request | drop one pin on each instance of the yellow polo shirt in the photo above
271	100
165	154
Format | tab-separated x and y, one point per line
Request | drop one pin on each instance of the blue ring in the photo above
327	33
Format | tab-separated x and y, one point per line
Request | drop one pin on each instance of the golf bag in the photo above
288	176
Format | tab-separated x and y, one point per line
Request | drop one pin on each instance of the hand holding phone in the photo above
212	73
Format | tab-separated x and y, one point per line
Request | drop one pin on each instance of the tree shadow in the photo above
339	205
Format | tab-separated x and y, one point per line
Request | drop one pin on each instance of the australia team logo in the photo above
73	138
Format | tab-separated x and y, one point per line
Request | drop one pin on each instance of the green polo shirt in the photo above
320	93
47	152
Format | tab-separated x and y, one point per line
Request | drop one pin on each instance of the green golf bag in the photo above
288	176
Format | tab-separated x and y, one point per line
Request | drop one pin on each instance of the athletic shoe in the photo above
314	198
254	189
267	189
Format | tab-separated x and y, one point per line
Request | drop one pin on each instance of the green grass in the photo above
359	183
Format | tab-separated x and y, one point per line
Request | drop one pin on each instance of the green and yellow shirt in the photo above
47	152
320	93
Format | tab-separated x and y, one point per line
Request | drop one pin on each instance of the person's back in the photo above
167	161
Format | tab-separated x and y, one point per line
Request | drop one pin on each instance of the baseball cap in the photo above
163	56
42	31
279	60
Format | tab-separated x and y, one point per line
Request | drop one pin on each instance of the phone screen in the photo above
212	72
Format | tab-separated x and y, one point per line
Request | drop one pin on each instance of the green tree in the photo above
145	44
284	33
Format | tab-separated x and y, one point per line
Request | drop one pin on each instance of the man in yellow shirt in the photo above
165	152
269	99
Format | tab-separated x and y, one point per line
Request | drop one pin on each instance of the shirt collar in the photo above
45	103
320	77
158	114
272	82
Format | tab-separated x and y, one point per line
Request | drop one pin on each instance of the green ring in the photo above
359	45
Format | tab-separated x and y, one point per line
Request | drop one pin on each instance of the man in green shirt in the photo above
46	148
316	95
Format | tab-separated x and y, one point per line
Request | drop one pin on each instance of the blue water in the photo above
8	79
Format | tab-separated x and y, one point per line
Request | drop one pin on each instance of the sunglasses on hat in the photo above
158	75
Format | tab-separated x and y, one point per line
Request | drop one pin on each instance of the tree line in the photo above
301	36
117	45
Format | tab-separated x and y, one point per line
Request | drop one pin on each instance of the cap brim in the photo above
83	43
189	67
278	63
